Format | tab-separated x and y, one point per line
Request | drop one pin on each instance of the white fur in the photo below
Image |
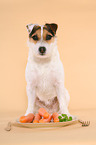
42	32
45	78
30	27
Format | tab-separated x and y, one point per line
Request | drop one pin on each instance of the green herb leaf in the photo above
59	117
64	115
64	119
61	120
70	118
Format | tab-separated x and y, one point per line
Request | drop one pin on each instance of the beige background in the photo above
76	44
77	47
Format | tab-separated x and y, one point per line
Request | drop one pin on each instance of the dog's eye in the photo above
48	37
35	37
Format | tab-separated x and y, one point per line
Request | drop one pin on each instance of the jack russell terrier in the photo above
44	71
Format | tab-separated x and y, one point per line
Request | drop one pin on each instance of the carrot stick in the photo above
55	117
46	120
27	119
37	118
43	113
22	119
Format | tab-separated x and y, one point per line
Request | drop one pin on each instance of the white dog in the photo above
44	71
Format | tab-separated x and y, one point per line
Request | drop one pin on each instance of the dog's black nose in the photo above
42	50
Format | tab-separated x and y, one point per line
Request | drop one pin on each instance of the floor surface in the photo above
73	134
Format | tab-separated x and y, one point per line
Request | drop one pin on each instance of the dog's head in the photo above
42	39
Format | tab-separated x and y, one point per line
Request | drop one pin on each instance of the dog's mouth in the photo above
42	54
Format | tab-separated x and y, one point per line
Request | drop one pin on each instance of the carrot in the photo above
55	117
46	120
43	113
27	119
37	118
22	119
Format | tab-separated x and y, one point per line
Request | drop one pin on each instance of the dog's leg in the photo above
31	98
60	89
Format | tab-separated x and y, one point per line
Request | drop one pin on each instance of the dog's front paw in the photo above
28	111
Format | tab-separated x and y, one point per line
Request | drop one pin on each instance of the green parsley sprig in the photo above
64	118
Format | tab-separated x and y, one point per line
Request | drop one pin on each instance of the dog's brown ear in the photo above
52	27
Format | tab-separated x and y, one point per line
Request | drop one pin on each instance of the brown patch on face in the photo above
49	31
37	34
45	33
52	28
35	28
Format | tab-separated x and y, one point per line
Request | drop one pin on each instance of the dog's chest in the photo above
45	83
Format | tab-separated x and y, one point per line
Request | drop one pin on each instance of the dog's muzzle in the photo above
42	50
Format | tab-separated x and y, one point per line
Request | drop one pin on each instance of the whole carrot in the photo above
27	119
46	120
37	118
43	113
55	117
